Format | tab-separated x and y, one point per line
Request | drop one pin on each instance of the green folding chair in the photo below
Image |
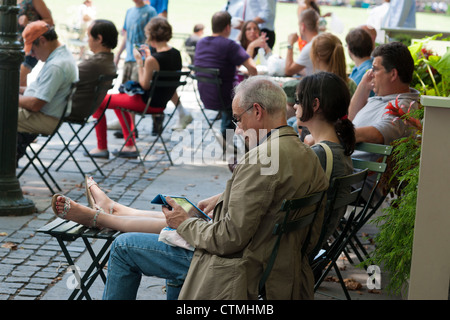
376	197
341	195
291	207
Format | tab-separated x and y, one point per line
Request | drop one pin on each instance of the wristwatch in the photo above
290	46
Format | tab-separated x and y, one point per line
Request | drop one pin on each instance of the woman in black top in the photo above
158	32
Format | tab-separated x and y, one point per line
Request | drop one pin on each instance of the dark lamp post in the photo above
12	201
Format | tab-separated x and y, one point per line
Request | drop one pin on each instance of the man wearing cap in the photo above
41	104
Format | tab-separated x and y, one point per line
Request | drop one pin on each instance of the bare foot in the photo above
97	150
128	149
77	212
100	198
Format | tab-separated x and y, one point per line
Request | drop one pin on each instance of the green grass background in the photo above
184	14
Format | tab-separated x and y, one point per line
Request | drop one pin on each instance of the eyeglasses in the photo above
237	119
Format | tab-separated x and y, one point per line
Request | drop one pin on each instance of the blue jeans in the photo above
227	123
136	254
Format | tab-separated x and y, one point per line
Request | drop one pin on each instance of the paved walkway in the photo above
32	265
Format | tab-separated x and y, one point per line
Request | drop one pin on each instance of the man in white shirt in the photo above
309	28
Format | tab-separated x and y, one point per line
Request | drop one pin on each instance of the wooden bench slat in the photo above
48	227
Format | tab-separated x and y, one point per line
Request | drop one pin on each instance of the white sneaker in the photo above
183	122
114	125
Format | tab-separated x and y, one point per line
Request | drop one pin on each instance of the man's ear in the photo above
258	108
394	74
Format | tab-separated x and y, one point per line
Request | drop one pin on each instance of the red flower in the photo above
399	113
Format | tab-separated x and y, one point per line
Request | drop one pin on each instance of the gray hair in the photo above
264	91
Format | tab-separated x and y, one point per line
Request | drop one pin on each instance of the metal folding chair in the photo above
68	231
291	208
103	84
324	256
33	155
210	76
370	205
161	79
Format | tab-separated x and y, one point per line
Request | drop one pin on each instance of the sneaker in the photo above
183	123
114	125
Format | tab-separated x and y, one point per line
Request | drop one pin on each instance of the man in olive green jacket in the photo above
232	251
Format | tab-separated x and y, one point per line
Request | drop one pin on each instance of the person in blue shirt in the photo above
360	46
41	104
133	33
160	6
136	19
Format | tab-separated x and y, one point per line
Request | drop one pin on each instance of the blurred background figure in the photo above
191	41
161	6
252	40
360	46
86	14
29	11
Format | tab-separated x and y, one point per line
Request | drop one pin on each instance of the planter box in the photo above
430	266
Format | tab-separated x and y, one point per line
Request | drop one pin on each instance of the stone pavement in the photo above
32	266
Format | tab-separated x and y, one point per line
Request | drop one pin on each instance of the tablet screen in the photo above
192	210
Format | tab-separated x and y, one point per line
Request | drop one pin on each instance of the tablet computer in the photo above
187	205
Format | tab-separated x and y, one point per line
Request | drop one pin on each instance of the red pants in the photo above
120	100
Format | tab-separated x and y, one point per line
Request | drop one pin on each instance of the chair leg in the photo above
80	143
44	170
130	136
66	148
341	280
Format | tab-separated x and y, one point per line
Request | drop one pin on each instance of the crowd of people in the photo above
323	106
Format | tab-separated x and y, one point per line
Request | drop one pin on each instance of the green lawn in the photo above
184	14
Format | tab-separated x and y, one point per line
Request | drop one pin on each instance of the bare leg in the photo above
85	216
115	208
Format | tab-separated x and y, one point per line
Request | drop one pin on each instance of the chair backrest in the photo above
209	76
68	105
376	168
104	83
343	191
97	92
166	79
291	207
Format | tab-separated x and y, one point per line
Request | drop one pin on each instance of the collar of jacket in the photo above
285	130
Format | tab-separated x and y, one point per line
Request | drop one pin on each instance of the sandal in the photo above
88	183
66	209
66	205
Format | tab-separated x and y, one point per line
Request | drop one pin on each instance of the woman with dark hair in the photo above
158	32
107	30
252	39
102	39
321	105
